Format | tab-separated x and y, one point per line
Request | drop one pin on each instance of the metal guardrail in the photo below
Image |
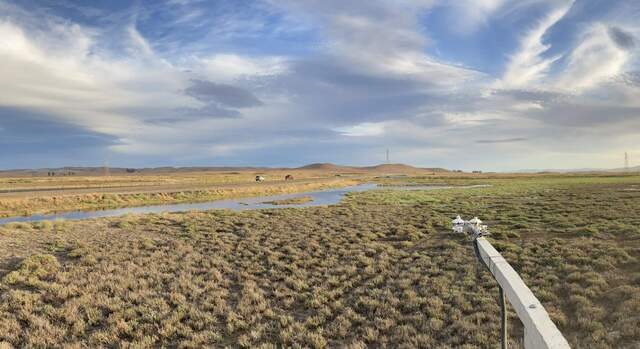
539	331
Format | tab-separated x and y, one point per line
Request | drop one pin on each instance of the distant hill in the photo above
630	169
382	168
98	171
581	170
392	168
324	167
401	168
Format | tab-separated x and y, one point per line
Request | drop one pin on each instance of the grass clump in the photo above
292	201
34	271
43	225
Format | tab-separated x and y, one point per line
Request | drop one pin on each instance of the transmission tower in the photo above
626	161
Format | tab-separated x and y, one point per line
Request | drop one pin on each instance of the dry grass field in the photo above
152	179
379	270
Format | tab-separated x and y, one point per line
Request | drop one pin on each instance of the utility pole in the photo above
106	169
387	155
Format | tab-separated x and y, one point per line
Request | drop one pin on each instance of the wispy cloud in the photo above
223	94
597	58
468	15
494	141
139	42
528	65
362	130
229	67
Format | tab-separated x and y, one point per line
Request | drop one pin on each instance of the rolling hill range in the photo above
382	168
318	167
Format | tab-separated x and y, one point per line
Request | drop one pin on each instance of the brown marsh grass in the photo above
292	201
379	270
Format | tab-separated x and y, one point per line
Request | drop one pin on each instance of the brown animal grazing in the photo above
288	177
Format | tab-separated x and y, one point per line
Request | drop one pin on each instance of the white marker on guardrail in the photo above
539	331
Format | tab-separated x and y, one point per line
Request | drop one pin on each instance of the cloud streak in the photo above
223	94
494	141
528	65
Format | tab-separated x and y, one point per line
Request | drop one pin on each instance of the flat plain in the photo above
381	269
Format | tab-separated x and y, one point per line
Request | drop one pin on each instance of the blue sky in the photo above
471	84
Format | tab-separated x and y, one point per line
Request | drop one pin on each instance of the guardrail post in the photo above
503	311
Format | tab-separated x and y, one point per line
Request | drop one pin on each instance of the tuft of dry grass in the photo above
33	271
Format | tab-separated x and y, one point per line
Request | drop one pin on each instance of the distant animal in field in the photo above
288	177
260	178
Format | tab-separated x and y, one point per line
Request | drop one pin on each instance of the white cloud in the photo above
526	106
471	14
62	70
64	73
473	118
594	60
365	129
528	66
140	43
228	67
384	39
61	74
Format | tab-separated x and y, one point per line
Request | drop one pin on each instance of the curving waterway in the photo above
320	198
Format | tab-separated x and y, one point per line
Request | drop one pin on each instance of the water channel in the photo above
320	198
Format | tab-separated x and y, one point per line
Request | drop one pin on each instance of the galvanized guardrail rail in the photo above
539	331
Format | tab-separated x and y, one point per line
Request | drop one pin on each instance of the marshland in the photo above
379	269
289	174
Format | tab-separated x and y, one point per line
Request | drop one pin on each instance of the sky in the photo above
496	85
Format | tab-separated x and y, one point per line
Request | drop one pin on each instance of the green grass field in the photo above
379	270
